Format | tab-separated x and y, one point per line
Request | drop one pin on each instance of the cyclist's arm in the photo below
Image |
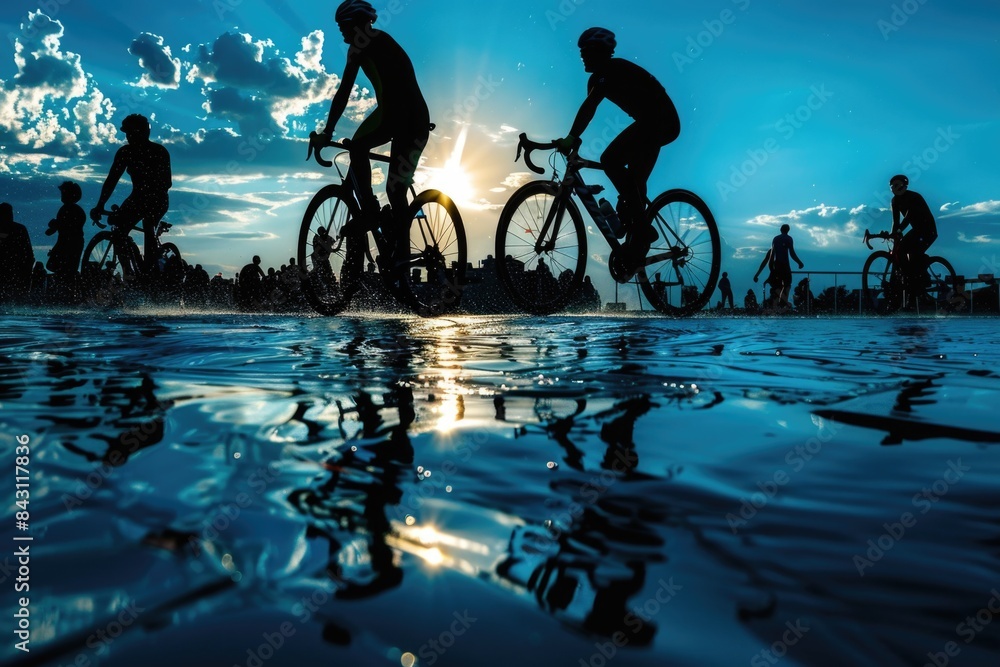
114	174
343	95
898	225
586	113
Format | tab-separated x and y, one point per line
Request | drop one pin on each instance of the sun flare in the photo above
454	179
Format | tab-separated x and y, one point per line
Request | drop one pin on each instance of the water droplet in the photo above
236	455
410	520
551	465
448	488
427	473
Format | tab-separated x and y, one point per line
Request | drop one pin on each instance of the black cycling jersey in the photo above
148	165
390	71
909	208
635	91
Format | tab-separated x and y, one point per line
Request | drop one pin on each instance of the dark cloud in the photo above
41	64
251	114
236	61
161	68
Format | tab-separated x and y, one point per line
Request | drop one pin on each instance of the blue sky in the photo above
790	112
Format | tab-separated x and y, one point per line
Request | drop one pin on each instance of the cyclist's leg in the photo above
629	160
123	221
404	157
372	132
907	252
154	212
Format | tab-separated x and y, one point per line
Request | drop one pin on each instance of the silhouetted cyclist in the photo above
401	116
630	158
148	165
909	209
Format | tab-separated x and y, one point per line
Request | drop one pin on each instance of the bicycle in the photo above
931	284
111	252
429	281
677	277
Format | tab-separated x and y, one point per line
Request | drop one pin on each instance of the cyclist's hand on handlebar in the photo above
96	213
566	144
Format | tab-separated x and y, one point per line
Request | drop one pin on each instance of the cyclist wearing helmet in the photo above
401	114
630	158
148	165
910	209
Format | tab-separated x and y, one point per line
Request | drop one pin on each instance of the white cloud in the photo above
978	239
36	109
980	209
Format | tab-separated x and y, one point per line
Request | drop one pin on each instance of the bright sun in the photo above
453	179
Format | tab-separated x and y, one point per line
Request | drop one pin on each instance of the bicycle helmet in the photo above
597	38
355	10
899	177
135	123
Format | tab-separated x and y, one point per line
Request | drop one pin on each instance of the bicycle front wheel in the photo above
330	266
99	253
541	255
879	287
433	277
682	265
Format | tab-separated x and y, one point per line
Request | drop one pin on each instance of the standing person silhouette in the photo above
782	247
401	116
148	165
727	290
909	209
64	258
16	256
629	159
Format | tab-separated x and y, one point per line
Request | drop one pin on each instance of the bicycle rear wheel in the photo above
433	277
541	274
880	288
682	265
939	283
330	266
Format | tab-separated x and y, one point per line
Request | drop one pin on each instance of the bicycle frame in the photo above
573	183
350	181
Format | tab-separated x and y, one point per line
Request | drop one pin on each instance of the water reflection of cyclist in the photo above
909	209
630	158
401	114
148	165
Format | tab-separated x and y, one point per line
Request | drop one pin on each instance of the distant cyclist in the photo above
910	210
401	115
148	165
630	158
